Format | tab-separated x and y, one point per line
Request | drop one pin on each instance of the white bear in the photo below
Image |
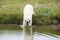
28	12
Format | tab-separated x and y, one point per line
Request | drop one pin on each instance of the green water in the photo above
15	32
54	29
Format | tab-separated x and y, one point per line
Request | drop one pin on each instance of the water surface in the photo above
35	33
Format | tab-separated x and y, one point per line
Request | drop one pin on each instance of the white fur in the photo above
28	12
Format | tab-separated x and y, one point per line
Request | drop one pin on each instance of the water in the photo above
28	33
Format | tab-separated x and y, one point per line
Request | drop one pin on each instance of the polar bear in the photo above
28	12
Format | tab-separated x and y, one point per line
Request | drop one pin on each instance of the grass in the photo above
43	15
16	6
11	19
30	1
11	11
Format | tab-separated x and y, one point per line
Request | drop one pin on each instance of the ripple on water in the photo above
18	35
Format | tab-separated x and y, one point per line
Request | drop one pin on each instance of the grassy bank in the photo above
47	11
42	16
10	19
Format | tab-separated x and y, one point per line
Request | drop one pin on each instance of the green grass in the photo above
10	19
30	1
11	11
46	15
42	15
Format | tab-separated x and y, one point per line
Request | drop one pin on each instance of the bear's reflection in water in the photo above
28	33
